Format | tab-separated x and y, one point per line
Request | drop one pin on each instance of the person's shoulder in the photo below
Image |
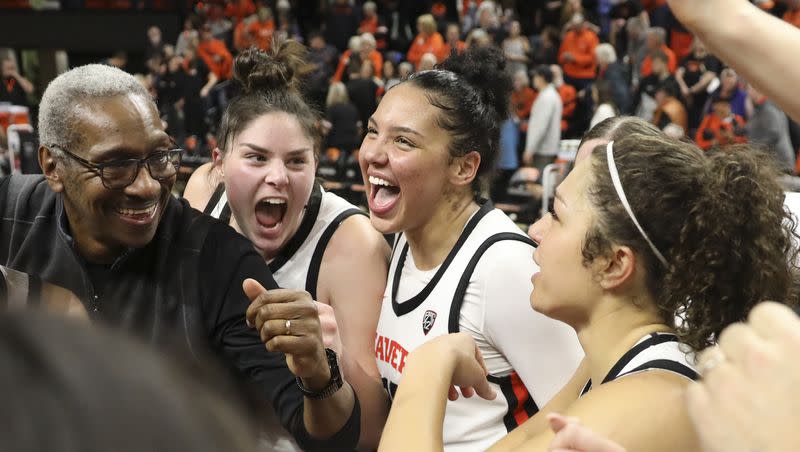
201	186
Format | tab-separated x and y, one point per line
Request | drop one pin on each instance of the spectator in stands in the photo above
404	70
145	262
636	29
215	54
262	29
353	49
768	126
478	38
390	75
188	37
220	26
118	59
94	389
368	52
615	73
522	98
363	92
577	55
155	46
721	126
428	40
195	81
545	46
16	88
369	20
170	97
286	26
670	112
544	124
265	167
606	210
341	24
603	99
427	62
656	42
646	96
237	10
516	48
569	98
488	21
694	75
322	56
730	88
243	37
344	120
453	42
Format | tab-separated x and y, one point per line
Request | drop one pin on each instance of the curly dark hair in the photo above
270	83
473	90
718	218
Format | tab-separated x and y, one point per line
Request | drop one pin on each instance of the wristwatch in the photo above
333	385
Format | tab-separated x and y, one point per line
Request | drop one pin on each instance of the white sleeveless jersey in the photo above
297	265
447	304
656	351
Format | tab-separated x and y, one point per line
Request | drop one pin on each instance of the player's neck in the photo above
431	243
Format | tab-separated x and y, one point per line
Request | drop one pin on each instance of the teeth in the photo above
148	210
276	201
378	181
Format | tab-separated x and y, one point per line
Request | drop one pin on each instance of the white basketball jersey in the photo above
470	424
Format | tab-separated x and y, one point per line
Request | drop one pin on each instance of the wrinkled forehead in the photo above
128	120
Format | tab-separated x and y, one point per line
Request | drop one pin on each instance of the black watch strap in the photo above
334	384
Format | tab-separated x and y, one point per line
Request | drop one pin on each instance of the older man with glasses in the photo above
102	223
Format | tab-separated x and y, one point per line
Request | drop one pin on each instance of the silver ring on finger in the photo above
288	327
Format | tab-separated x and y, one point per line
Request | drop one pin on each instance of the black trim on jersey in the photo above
319	251
461	289
507	388
414	302
310	217
666	364
654	339
225	214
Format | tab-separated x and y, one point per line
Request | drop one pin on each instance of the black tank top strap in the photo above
310	217
215	197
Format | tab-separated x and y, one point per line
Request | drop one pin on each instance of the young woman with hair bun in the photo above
652	248
458	264
262	181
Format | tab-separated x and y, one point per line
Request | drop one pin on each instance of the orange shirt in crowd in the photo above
675	113
422	45
522	102
262	33
569	99
344	60
239	9
447	49
242	38
672	62
650	5
793	17
581	44
722	130
369	25
217	57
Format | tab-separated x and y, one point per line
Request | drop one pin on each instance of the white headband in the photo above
612	169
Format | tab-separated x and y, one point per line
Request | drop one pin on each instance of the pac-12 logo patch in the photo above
427	321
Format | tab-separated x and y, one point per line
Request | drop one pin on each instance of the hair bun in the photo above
278	69
484	68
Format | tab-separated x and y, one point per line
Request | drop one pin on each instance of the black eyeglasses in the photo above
118	174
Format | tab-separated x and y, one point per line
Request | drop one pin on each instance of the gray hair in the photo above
658	32
605	53
56	115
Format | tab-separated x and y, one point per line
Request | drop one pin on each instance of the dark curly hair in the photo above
270	83
718	218
473	90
